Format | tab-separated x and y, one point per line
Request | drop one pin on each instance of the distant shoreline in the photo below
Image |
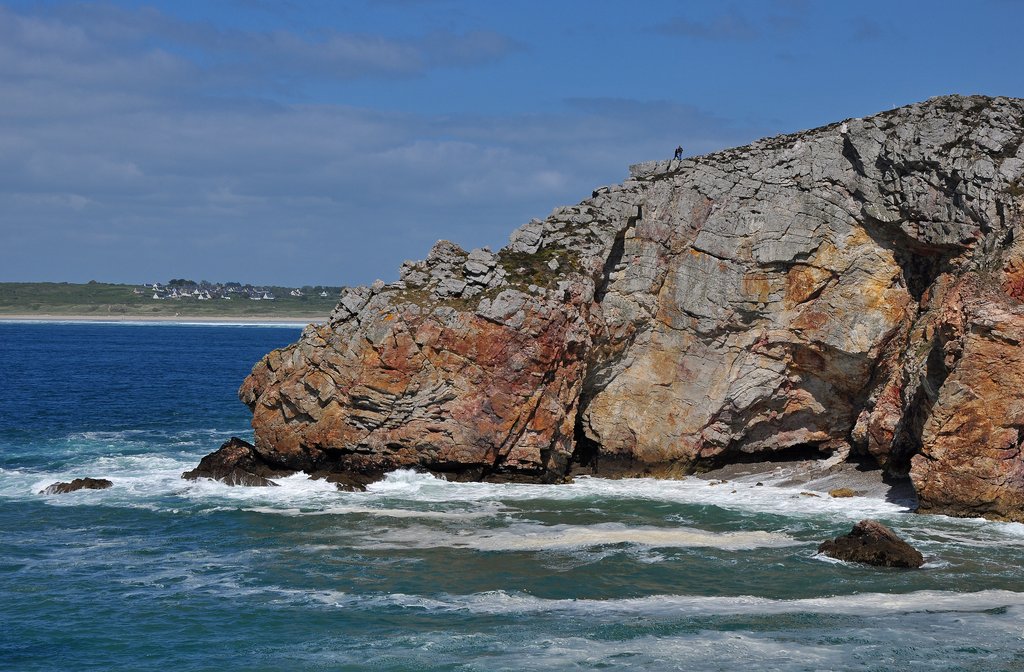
206	319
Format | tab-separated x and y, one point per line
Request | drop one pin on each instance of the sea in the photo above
157	573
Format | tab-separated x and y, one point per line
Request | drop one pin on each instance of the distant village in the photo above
177	290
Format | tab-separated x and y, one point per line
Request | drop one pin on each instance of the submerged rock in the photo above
236	462
86	483
344	482
873	543
850	290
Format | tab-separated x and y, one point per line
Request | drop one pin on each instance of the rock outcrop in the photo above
236	462
87	483
854	289
870	542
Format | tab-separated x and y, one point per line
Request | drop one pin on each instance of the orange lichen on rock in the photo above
971	462
1013	279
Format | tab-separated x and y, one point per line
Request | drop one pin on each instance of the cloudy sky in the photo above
323	142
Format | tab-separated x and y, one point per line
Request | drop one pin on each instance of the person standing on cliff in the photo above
679	152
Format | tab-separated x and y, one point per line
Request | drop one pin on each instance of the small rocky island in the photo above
851	291
872	543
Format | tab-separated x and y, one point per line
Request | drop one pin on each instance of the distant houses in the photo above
178	290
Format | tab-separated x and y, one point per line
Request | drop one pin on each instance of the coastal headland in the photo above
852	291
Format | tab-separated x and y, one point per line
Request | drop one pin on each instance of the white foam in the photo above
152	480
384	512
297	490
746	496
932	531
863	604
288	325
527	536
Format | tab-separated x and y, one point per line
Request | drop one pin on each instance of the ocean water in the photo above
157	573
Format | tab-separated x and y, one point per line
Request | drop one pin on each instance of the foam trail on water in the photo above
864	604
746	496
482	511
534	537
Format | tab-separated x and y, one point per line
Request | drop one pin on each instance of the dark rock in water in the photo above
77	484
236	463
873	543
346	482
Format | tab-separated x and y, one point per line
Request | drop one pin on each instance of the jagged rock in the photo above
414	273
445	253
873	543
527	239
236	462
451	287
87	483
480	262
814	292
351	302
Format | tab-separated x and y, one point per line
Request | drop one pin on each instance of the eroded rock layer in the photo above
853	288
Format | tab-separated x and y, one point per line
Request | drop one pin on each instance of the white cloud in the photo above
121	160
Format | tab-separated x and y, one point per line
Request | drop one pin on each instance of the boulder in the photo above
236	462
870	542
86	483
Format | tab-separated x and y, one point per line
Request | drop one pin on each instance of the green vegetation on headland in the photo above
178	298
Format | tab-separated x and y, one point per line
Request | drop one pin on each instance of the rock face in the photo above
86	483
873	543
851	289
970	461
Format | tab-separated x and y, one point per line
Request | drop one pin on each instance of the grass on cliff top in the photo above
100	299
521	270
1016	189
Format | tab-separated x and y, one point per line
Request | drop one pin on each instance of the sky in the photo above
324	142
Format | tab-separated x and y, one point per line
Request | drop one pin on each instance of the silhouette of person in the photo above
679	152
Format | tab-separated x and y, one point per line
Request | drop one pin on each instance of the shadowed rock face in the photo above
816	292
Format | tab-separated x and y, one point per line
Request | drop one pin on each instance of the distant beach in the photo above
205	319
180	302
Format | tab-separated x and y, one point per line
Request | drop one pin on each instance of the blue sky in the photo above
321	142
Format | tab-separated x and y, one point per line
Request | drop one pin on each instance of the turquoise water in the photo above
157	573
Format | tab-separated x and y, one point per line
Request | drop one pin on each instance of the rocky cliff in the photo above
854	288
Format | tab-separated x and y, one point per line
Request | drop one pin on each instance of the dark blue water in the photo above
157	573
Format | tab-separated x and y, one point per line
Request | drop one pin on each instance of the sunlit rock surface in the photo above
854	288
